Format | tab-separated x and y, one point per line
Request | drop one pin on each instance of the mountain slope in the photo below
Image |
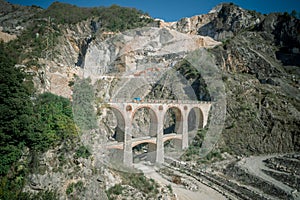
259	60
257	55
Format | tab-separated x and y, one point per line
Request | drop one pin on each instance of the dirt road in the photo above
255	165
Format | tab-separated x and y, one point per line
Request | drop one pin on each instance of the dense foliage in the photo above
54	122
33	123
82	152
83	96
16	110
27	121
37	41
116	18
113	18
66	13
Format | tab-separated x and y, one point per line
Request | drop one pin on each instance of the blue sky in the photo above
177	9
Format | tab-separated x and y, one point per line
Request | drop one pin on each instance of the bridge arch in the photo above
144	151
120	126
136	143
152	124
172	144
173	120
172	137
195	119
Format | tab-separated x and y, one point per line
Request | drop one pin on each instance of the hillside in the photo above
60	65
259	59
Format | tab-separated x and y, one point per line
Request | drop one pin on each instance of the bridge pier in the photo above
127	156
159	138
185	133
151	155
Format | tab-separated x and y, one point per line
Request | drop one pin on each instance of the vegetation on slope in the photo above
34	123
16	111
84	113
113	18
41	36
136	180
34	42
27	122
194	76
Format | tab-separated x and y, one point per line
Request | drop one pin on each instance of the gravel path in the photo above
255	165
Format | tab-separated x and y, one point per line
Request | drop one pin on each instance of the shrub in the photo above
82	152
53	122
84	113
141	183
116	190
170	188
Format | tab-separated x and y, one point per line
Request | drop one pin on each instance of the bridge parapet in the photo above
161	101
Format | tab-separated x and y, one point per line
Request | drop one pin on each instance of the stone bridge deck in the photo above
158	101
141	140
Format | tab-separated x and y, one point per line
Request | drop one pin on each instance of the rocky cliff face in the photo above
259	60
140	63
135	51
261	50
222	22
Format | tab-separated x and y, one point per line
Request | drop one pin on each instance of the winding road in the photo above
255	166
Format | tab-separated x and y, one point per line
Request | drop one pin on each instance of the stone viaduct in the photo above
125	110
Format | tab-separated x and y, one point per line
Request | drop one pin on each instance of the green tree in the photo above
295	14
16	110
54	122
84	113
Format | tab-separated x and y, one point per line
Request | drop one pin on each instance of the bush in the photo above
39	37
82	152
43	195
194	149
36	122
136	180
84	113
74	187
116	18
16	110
170	188
115	190
53	122
141	183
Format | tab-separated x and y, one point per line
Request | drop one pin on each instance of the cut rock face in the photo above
138	50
